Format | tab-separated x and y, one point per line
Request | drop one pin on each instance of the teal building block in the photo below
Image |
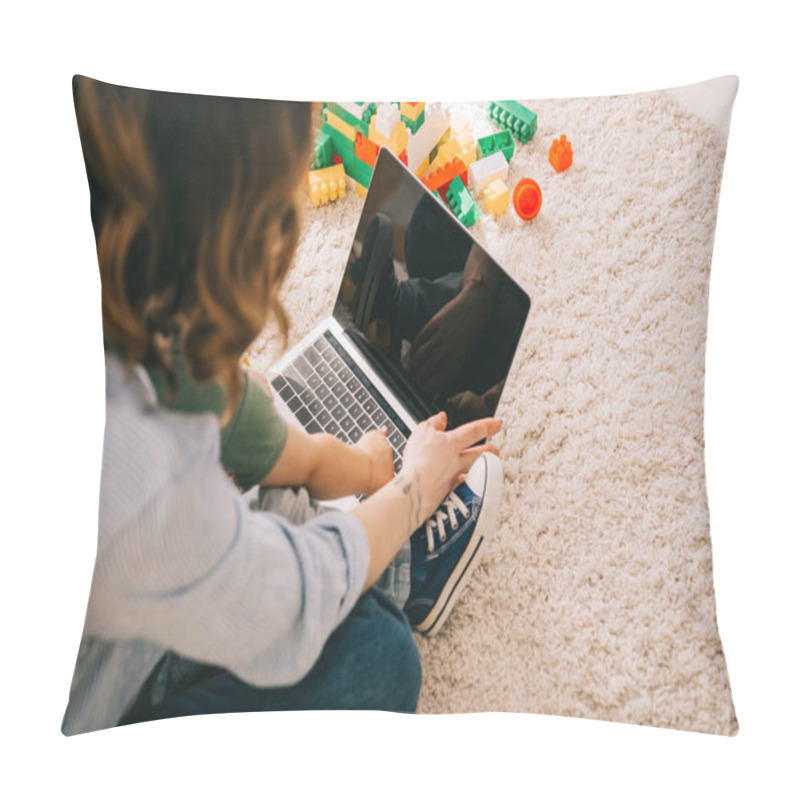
461	202
502	141
514	117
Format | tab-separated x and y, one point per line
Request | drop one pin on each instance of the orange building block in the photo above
366	150
437	179
561	153
404	157
527	198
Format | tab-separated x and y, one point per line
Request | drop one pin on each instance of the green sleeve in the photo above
255	437
253	440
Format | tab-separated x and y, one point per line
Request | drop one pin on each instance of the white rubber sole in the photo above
471	557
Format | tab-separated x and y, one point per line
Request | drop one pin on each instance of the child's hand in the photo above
381	462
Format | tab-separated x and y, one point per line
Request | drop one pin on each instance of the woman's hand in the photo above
381	461
435	459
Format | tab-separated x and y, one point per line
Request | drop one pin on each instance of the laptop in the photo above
425	320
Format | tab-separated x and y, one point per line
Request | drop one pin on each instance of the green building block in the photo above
350	119
502	141
346	150
514	117
369	113
413	125
461	203
323	151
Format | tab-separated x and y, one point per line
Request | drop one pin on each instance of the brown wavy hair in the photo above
195	210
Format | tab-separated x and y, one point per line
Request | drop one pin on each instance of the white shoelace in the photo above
451	504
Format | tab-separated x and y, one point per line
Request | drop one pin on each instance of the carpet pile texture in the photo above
595	595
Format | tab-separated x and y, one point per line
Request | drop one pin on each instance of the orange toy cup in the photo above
527	198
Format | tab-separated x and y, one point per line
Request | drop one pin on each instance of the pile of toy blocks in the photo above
440	151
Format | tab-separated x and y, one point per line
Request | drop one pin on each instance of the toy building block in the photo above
360	190
337	123
527	198
353	120
439	178
561	153
396	142
427	136
326	185
366	150
485	170
323	151
360	171
404	157
413	125
345	149
422	168
514	117
356	109
343	146
497	197
412	110
386	119
502	140
461	202
459	145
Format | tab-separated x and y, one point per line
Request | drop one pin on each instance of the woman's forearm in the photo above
389	517
339	470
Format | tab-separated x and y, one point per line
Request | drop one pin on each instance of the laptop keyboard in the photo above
327	391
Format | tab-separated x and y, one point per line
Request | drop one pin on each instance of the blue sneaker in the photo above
447	548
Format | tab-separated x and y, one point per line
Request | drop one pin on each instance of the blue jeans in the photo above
370	661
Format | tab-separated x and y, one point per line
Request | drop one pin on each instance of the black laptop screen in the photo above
429	307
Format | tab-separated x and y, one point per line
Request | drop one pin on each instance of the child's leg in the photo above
369	662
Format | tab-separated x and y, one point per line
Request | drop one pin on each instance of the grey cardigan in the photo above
185	564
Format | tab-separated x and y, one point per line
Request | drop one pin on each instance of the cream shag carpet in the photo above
595	596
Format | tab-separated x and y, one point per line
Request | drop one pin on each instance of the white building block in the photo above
386	119
355	109
427	135
486	170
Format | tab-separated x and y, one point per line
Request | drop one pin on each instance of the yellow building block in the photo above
326	185
496	197
421	169
361	191
459	145
411	111
340	125
396	143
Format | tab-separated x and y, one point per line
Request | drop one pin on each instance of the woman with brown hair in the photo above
205	600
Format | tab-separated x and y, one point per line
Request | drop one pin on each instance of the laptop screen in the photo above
432	311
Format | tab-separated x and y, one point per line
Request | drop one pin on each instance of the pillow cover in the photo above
595	595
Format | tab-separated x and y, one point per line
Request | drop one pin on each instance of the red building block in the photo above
527	198
561	153
366	149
